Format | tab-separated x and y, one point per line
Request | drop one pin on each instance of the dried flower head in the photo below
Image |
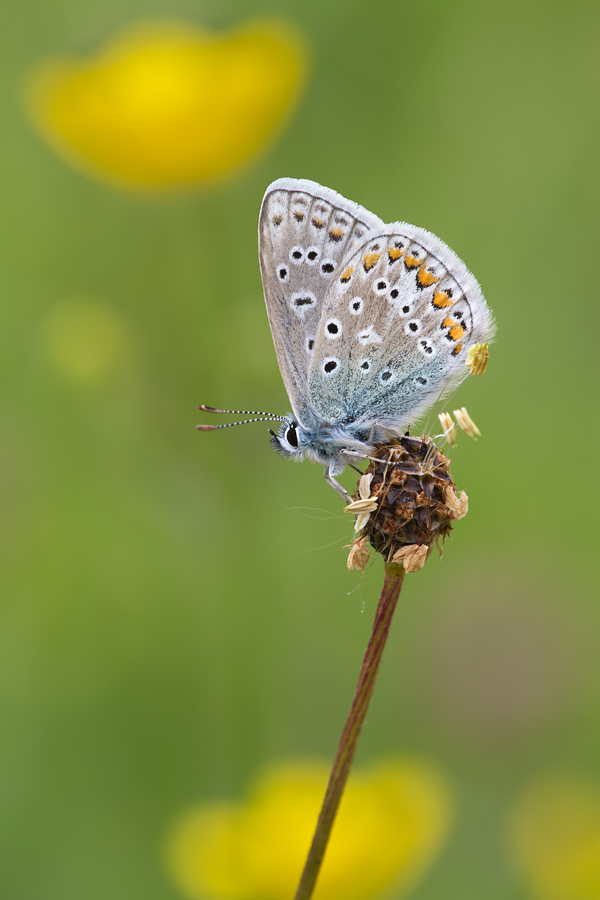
467	424
477	359
416	502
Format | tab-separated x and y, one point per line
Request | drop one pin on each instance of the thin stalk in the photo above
394	576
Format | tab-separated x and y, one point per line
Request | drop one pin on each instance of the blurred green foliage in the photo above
176	610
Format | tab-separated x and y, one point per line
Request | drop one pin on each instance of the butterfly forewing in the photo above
306	235
395	329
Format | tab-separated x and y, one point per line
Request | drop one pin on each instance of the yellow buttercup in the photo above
166	104
392	821
554	832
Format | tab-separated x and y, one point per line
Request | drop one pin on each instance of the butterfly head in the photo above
325	443
291	439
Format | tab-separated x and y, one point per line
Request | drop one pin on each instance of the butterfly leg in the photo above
337	486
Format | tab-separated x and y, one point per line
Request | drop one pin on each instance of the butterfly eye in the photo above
291	435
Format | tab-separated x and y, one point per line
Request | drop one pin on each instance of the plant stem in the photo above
394	576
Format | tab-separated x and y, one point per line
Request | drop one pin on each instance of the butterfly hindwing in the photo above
306	232
395	328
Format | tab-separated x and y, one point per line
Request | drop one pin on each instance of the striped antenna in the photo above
263	417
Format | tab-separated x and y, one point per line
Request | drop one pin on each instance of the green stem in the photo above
394	576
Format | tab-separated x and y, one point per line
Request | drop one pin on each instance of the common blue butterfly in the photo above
371	322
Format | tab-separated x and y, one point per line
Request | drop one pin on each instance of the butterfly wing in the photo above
395	329
305	233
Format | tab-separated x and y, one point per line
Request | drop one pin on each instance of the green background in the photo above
176	610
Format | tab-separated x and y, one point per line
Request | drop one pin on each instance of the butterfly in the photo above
372	323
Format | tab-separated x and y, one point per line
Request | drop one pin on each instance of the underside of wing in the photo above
396	327
306	232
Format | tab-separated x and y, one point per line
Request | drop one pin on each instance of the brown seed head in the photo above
416	501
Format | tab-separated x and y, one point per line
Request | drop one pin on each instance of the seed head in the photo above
415	503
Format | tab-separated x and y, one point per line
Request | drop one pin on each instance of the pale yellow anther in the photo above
458	504
364	486
467	424
361	506
477	359
448	427
359	554
412	556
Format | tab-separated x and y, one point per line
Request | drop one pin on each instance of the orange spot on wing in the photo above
441	299
411	261
346	274
449	322
457	350
336	234
394	253
456	332
370	260
299	216
318	223
425	278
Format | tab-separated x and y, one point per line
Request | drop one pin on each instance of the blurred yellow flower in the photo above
167	103
555	835
83	338
392	820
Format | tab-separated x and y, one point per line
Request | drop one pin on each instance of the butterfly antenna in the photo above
262	417
239	412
